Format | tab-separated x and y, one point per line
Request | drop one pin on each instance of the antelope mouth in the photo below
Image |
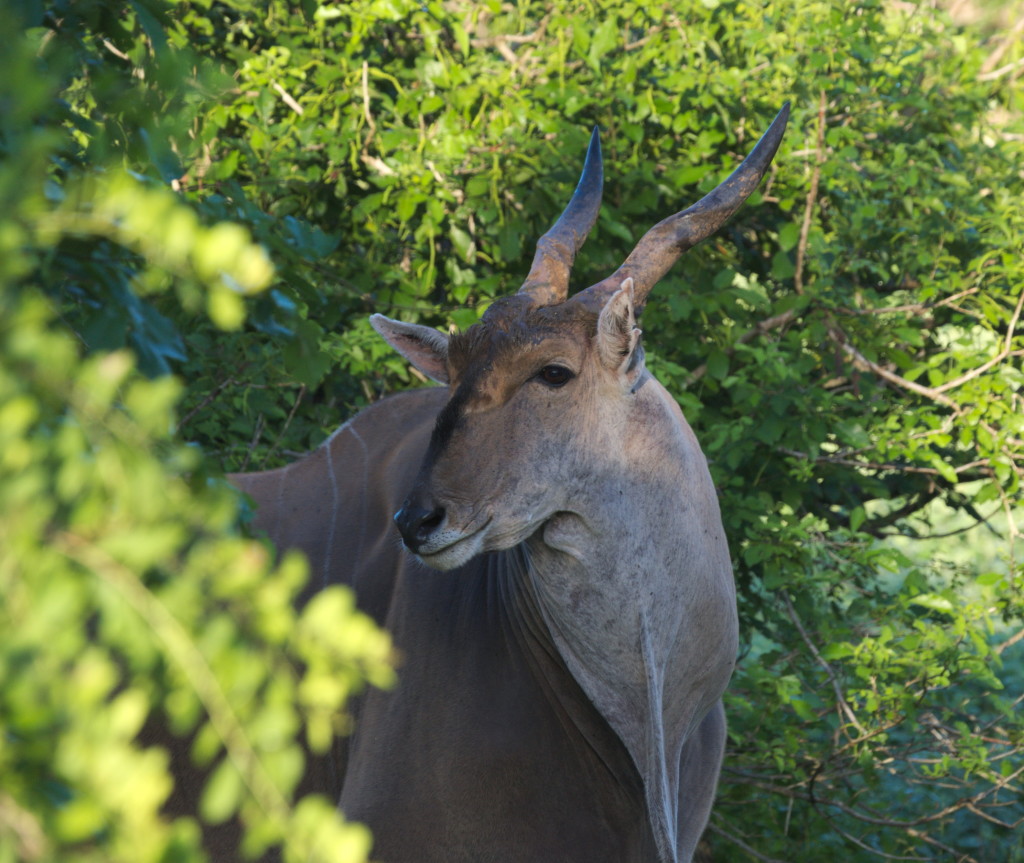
449	548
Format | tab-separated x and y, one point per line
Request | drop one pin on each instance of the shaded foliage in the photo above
128	593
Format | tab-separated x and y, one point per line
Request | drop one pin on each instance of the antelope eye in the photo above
555	376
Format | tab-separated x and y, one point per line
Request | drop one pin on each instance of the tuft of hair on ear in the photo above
617	332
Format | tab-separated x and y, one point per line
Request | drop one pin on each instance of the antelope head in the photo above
545	428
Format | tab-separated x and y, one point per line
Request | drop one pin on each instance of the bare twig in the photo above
739	843
1002	70
502	44
286	97
864	364
113	49
773	323
287	423
915	308
931	840
210	397
379	165
366	102
507	54
871	818
915	503
998	358
849	837
30	842
257	433
987	73
897	468
844	707
978	519
1012	640
981	813
812	198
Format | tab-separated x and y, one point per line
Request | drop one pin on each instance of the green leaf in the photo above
303	355
222	794
934	602
945	469
226	308
803	709
788	236
717	364
603	40
463	244
782	266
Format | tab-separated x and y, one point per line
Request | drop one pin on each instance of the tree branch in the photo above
812	198
916	308
844	707
988	70
882	466
773	323
932	393
869	817
183	651
864	364
287	98
284	429
207	399
998	358
739	843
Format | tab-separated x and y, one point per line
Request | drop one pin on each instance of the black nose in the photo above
416	524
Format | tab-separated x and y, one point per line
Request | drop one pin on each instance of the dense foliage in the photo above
128	595
224	191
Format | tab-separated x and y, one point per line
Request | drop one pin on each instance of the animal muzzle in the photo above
417	524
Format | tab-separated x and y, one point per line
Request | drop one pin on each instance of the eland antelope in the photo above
562	595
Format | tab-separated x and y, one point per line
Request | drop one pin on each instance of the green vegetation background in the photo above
201	205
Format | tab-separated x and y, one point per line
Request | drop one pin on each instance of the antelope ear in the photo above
618	337
424	347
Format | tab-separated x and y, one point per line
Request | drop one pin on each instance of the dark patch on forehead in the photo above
509	326
512	324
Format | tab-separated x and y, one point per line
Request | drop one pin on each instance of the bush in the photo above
128	593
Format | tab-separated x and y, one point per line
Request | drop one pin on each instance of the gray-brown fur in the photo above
489	749
564	606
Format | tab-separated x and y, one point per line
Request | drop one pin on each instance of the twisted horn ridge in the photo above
548	280
662	245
